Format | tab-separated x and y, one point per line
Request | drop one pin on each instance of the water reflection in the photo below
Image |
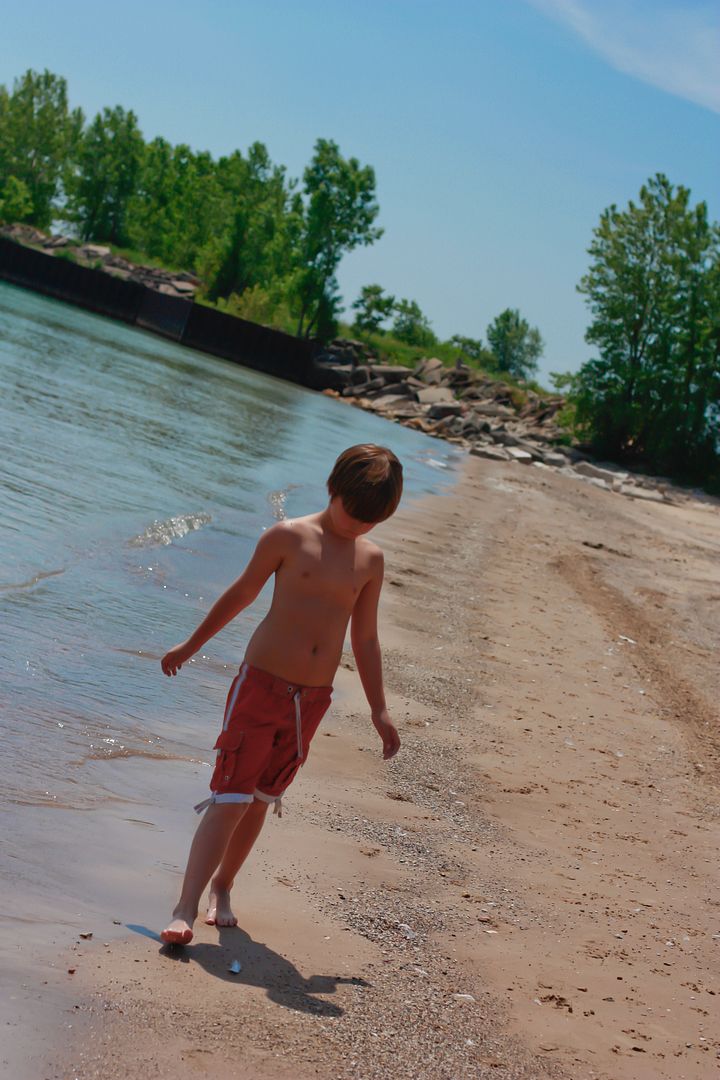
136	477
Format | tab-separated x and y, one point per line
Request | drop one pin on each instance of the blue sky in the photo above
498	129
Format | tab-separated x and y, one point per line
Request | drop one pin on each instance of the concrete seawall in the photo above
188	323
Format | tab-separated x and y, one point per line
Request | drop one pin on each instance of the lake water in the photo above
136	476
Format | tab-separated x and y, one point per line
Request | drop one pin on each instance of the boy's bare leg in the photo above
206	851
239	846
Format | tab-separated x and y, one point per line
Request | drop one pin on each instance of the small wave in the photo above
31	582
164	532
277	500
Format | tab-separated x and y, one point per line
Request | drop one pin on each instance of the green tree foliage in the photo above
37	136
108	164
257	227
653	289
339	209
373	307
178	204
15	201
515	345
473	351
411	326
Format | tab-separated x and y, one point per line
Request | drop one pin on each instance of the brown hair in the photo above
369	480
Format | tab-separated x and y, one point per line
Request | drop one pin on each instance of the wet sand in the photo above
529	890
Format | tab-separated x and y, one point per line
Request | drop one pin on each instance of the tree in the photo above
411	326
339	209
373	307
516	345
15	201
37	136
473	351
256	249
653	289
108	165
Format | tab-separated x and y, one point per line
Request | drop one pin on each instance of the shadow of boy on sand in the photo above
263	968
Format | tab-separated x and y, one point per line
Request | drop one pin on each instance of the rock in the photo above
505	438
649	494
492	452
572	453
429	370
490	408
463	997
586	468
534	451
93	251
391	373
550	457
399	389
433	395
364	388
387	402
183	287
57	242
443	409
516	454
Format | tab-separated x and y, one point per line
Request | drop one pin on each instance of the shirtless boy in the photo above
326	573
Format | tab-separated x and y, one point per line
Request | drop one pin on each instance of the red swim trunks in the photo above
265	738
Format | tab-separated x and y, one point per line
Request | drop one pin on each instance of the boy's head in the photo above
368	481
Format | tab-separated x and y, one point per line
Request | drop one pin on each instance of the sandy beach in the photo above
529	890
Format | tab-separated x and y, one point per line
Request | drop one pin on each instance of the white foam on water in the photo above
162	533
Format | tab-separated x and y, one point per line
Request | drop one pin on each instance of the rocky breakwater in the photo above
100	257
486	416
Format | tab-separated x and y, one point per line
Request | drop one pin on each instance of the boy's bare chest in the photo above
336	577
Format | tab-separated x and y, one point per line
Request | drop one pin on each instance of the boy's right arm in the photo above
266	559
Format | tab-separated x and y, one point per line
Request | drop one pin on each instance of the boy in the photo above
326	573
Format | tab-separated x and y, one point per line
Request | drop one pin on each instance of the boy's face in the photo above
345	525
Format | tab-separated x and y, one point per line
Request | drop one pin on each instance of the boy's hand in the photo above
174	659
387	732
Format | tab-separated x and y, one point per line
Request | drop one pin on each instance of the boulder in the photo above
586	468
399	389
429	370
443	409
551	457
57	242
492	452
475	425
491	408
93	251
516	454
388	402
364	388
433	395
505	438
391	373
635	492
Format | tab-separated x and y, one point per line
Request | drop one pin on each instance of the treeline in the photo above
249	231
652	395
265	246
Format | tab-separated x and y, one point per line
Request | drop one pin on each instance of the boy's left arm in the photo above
366	649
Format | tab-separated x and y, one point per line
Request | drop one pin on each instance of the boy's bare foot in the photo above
179	932
219	912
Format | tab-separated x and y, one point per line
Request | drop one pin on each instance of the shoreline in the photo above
499	900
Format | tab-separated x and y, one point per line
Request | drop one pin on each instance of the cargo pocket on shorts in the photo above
226	765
